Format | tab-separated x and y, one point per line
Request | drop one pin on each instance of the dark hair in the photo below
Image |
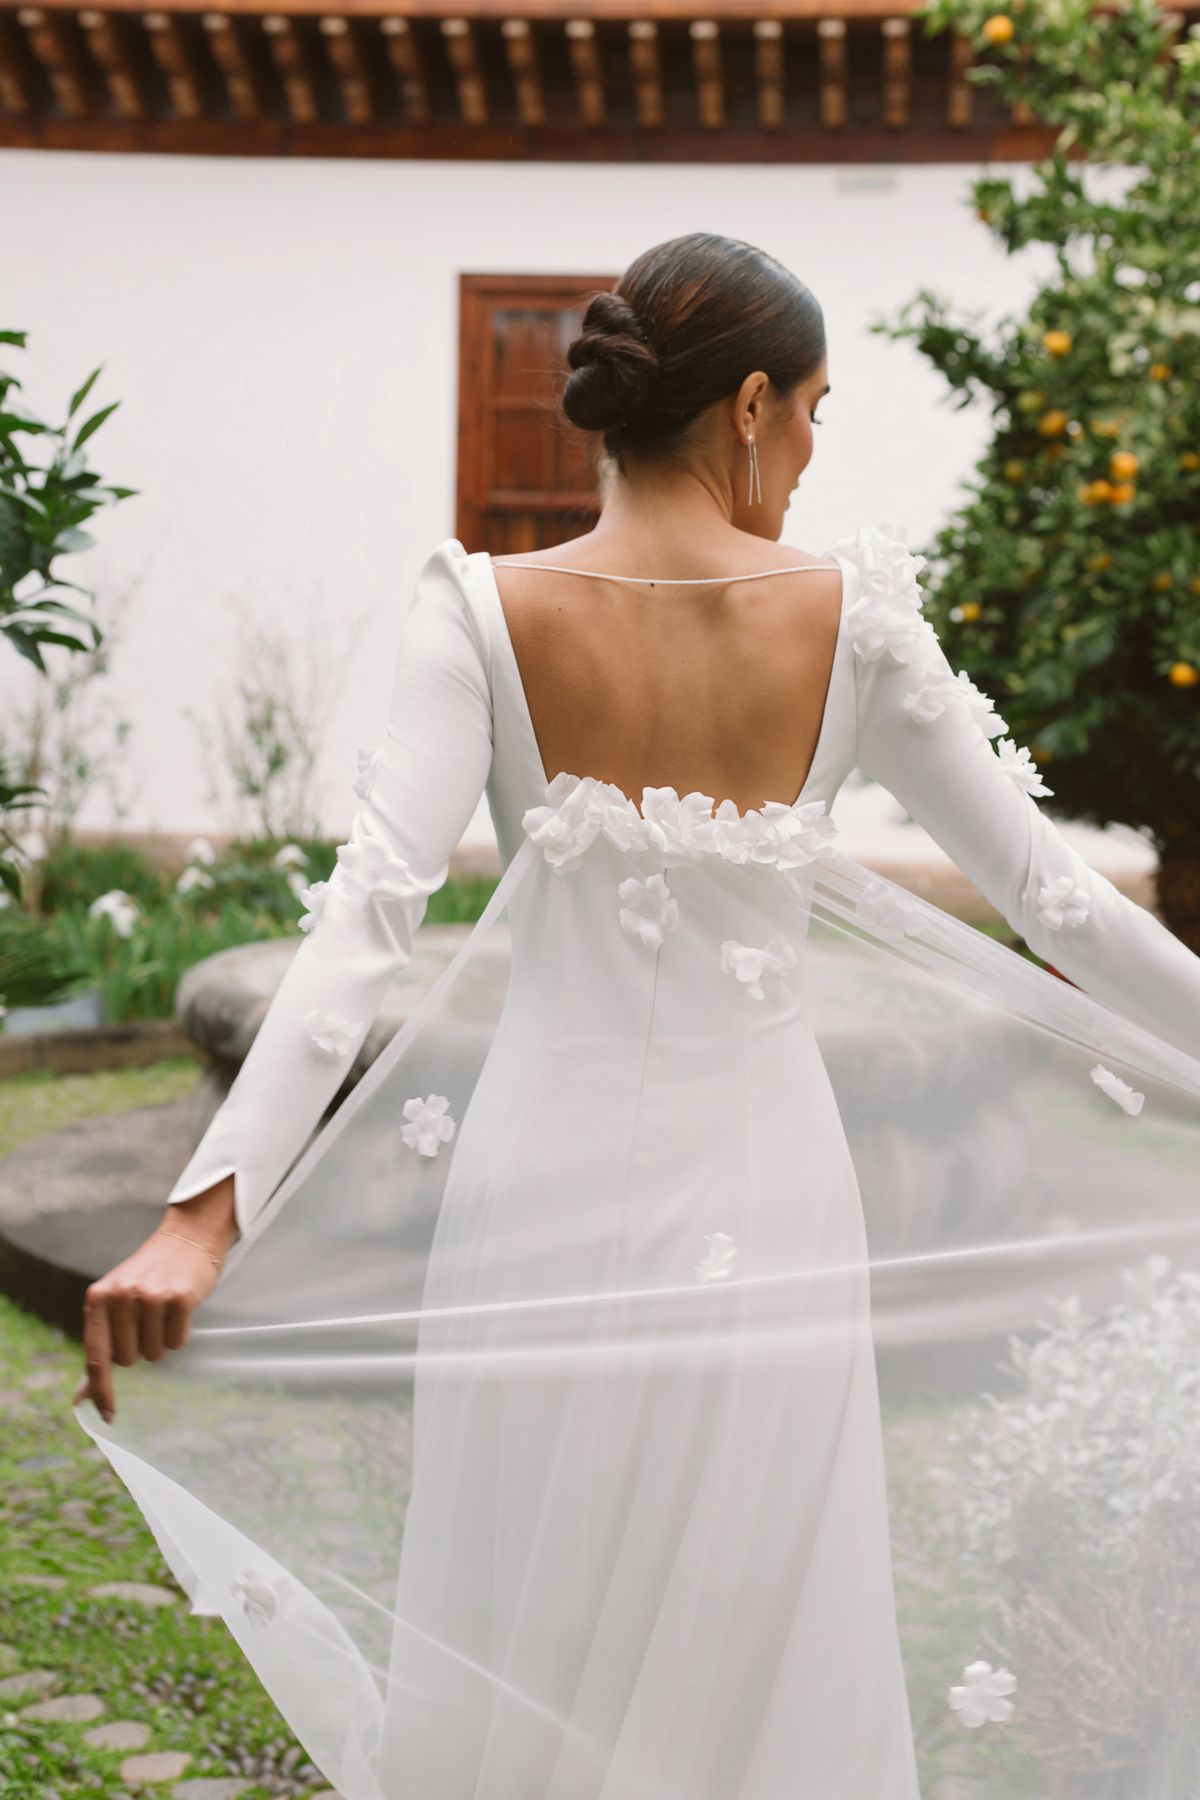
686	323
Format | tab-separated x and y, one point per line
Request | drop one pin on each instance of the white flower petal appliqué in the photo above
369	762
570	820
312	898
368	869
720	1258
982	707
929	701
329	1034
886	911
260	1596
981	1699
885	618
1118	1090
648	909
429	1123
763	972
1063	902
1020	766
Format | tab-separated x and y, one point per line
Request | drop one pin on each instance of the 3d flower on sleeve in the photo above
1020	766
648	909
312	898
762	971
369	763
981	1698
1063	902
886	911
329	1034
933	694
1126	1097
429	1123
368	868
722	1253
885	618
980	705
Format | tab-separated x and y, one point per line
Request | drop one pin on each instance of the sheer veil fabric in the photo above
741	1338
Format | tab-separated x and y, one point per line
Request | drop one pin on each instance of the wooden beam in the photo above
170	52
831	72
16	97
107	50
462	51
341	46
555	11
521	51
287	53
960	93
769	78
707	72
49	45
897	73
585	65
229	54
404	58
646	71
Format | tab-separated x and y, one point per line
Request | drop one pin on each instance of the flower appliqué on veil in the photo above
720	1258
260	1596
330	1034
1126	1097
1063	902
982	1696
762	971
886	911
648	909
429	1123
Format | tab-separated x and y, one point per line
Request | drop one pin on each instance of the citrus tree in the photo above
1068	580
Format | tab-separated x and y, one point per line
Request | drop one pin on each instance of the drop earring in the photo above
755	481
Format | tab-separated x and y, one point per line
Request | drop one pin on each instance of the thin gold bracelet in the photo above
215	1260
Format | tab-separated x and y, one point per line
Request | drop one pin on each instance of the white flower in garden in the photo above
369	762
313	899
5	898
886	911
290	857
259	1595
648	909
200	851
429	1123
3	1008
1020	766
1063	902
30	847
982	1697
1118	1090
118	908
764	971
722	1252
193	877
329	1033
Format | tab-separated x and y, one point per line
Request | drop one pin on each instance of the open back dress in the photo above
740	1339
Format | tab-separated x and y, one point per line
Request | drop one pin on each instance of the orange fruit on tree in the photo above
1030	400
1058	343
1052	423
1190	459
1014	469
1121	491
1096	492
1184	674
1054	451
1163	582
1196	584
1108	428
1099	562
1159	371
998	29
1123	465
971	610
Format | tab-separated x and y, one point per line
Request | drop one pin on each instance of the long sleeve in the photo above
418	791
936	743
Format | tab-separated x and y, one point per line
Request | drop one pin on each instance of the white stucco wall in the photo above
282	336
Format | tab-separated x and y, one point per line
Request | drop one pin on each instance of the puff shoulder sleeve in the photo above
935	741
417	792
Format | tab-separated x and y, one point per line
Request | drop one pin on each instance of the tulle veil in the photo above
1028	1280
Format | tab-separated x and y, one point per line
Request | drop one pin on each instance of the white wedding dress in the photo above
532	1443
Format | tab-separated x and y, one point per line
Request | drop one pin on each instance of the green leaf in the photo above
94	423
81	393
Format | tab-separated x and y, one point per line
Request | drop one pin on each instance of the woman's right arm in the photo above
418	793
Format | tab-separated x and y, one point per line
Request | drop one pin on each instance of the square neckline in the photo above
514	669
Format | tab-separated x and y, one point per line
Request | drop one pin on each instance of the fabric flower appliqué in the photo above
329	1034
722	1253
1063	902
648	909
260	1596
763	972
980	705
1020	766
368	867
429	1123
981	1699
886	619
369	762
1118	1090
886	911
312	898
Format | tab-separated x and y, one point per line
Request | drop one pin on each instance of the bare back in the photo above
718	686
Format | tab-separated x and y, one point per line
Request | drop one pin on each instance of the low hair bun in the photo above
613	366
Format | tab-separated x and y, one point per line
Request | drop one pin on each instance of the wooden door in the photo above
526	478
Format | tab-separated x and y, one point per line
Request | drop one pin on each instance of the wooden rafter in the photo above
897	73
521	50
287	53
170	51
106	47
404	60
707	73
341	47
646	71
229	54
959	91
769	73
16	97
831	72
462	52
585	65
50	46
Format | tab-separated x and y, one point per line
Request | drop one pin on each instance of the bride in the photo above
573	1416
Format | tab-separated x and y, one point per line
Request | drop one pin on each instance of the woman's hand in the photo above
144	1305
